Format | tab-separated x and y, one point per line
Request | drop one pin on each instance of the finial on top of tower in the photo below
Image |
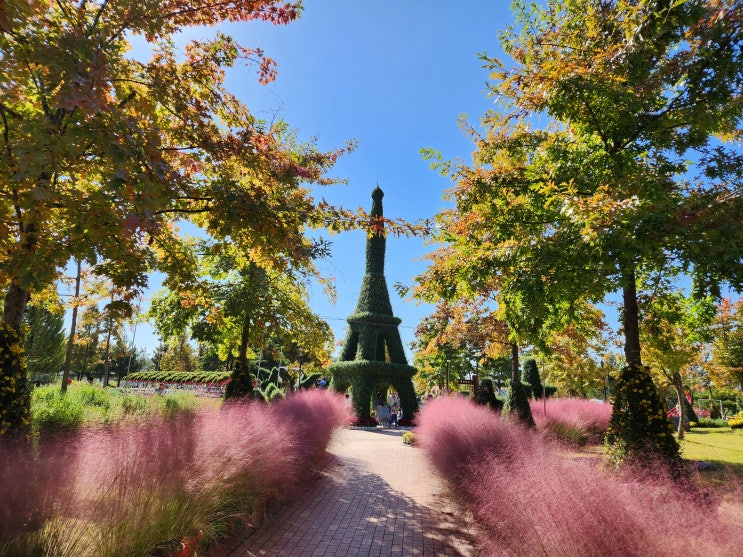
377	196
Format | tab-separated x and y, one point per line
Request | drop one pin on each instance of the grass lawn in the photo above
718	445
723	447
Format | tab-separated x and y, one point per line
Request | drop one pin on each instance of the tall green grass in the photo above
51	411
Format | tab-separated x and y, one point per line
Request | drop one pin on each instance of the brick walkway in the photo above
379	498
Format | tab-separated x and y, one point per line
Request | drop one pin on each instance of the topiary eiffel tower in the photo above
372	358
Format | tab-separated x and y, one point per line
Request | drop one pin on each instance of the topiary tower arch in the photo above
372	358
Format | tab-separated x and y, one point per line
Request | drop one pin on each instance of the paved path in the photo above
379	498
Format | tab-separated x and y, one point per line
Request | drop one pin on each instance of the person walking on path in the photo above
363	505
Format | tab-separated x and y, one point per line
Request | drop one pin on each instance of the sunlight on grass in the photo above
713	444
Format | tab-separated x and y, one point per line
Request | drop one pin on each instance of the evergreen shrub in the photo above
486	395
242	383
517	405
15	392
531	377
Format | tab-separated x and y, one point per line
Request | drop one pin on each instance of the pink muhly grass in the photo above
529	498
572	419
455	431
137	488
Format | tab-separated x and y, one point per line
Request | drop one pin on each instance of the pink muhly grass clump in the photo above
455	431
529	498
138	488
312	416
572	419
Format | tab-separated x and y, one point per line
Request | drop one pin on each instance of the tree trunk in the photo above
73	328
16	300
630	318
108	354
678	386
515	372
242	354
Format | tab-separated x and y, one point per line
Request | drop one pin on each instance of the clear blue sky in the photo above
395	76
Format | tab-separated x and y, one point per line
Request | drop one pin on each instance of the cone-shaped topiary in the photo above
531	376
242	383
639	429
372	358
517	403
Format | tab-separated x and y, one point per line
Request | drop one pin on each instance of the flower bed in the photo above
363	423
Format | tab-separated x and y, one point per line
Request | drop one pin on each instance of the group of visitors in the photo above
387	411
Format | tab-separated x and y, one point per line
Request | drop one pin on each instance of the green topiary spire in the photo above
372	358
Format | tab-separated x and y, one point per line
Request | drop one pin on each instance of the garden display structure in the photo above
372	358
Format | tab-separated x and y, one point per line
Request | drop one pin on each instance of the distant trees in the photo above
44	344
728	344
236	306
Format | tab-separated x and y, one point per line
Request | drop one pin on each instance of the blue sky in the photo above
394	76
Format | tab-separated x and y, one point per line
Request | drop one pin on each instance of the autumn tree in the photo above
727	369
674	330
235	305
180	355
459	335
572	354
85	351
637	167
101	152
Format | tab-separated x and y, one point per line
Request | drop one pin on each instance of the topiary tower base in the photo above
365	377
639	430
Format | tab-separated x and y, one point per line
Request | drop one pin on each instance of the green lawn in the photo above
723	445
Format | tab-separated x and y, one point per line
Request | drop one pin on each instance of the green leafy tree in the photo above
235	305
44	345
637	168
673	331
